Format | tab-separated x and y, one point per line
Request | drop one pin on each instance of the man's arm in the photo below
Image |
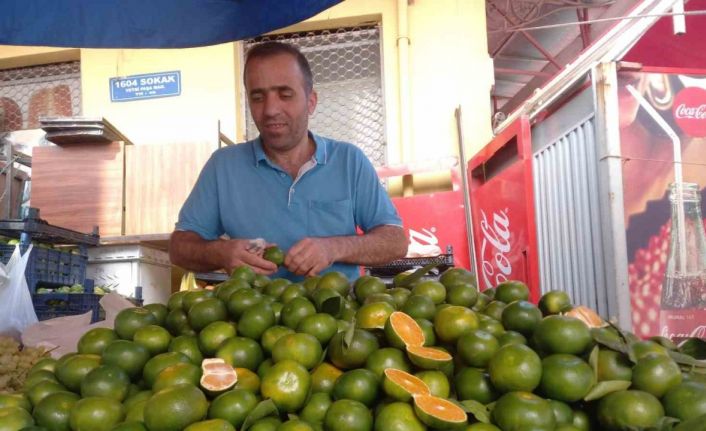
188	250
380	245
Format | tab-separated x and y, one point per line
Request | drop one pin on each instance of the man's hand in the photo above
310	256
188	250
380	245
238	252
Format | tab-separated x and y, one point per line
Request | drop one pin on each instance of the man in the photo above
303	192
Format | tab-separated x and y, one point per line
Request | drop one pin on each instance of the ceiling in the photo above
525	58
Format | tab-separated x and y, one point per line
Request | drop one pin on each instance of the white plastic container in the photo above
125	267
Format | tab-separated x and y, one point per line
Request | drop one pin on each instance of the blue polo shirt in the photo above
243	194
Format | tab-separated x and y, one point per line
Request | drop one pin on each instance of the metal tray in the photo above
444	261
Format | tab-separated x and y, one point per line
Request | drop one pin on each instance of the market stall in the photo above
512	310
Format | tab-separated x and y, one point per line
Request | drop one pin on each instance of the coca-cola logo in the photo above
495	247
423	243
697	332
689	110
426	237
693	113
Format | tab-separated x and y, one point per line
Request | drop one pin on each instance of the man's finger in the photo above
298	267
257	262
297	256
316	269
305	268
300	263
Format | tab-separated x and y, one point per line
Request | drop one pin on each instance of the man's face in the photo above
278	101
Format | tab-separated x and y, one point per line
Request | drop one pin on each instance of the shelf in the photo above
39	230
81	130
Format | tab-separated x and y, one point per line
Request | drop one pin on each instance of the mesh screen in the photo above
346	64
28	93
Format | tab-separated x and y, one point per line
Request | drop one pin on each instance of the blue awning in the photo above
146	23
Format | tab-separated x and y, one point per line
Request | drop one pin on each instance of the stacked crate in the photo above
52	268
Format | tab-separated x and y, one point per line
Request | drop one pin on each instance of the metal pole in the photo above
610	171
466	191
9	176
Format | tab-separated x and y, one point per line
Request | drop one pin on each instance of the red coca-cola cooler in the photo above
503	213
580	194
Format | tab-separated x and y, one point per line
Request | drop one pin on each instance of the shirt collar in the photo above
320	154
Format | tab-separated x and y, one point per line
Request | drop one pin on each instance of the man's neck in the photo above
292	160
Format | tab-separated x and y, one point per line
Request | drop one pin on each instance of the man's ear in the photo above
311	102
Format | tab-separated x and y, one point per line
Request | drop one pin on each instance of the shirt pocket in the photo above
330	218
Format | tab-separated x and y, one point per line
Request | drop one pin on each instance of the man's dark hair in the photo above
269	49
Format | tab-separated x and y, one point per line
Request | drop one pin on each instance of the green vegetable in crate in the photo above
76	288
43	290
103	289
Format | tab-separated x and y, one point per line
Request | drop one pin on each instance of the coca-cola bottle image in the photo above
683	305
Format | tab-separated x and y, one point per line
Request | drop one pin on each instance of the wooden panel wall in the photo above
159	178
79	186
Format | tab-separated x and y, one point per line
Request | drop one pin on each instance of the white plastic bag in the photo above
16	308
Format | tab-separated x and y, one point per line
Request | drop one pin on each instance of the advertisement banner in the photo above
663	146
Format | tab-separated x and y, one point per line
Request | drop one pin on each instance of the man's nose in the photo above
271	105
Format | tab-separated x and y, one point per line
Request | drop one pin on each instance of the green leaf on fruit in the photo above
610	343
593	361
665	424
348	336
684	359
478	410
664	342
692	424
323	356
417	275
262	410
629	338
604	388
694	347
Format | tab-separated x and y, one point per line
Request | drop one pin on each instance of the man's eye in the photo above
256	97
286	94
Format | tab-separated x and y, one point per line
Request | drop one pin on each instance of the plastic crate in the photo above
443	262
49	267
51	305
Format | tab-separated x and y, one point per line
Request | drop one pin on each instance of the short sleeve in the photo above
200	212
373	206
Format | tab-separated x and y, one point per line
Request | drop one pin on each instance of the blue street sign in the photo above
147	86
